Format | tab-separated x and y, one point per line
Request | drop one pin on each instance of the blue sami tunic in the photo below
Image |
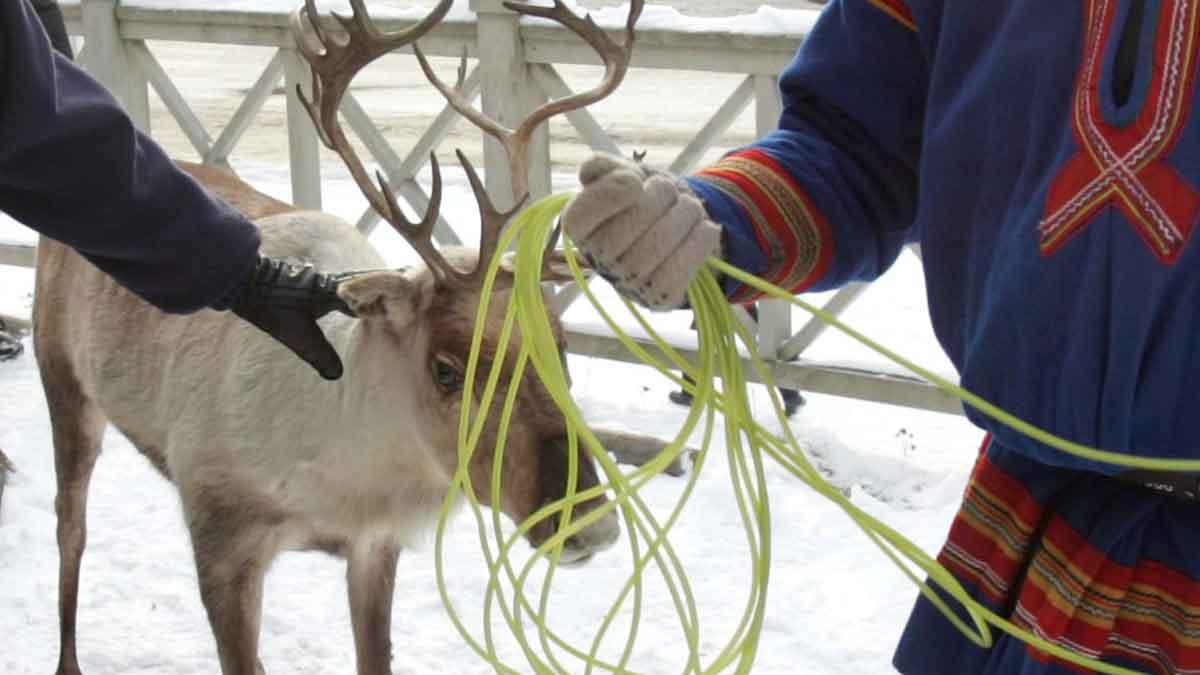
1046	156
74	168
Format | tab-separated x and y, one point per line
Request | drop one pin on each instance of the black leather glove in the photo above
285	301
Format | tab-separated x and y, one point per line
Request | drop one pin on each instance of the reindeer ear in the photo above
559	271
555	269
386	294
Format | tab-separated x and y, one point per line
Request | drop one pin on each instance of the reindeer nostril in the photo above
575	552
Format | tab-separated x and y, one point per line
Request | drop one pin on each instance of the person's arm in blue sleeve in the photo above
74	168
831	195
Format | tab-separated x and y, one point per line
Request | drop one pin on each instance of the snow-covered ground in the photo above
835	604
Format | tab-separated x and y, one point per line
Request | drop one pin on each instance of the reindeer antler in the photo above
336	66
516	141
336	63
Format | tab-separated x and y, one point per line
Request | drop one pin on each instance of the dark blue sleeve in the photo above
74	168
56	28
831	195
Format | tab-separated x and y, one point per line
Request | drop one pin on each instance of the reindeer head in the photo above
432	322
434	308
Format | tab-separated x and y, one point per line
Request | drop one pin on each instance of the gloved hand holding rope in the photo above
642	230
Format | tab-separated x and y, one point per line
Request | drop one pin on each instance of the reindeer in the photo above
268	458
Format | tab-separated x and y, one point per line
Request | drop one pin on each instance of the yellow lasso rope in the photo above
748	445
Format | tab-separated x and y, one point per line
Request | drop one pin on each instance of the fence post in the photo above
304	149
774	316
108	62
508	94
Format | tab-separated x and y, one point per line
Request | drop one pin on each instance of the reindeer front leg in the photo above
233	542
234	604
371	578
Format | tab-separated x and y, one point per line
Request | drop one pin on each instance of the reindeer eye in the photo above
446	375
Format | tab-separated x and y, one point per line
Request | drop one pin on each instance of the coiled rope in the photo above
749	448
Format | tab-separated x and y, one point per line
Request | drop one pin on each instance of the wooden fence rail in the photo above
517	68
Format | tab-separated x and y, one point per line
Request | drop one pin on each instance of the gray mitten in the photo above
641	229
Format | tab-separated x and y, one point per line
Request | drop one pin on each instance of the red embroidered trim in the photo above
990	537
1076	597
898	10
1125	166
791	232
1071	594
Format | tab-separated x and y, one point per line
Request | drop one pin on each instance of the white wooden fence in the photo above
515	70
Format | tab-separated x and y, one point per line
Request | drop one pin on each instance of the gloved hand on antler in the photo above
285	301
641	229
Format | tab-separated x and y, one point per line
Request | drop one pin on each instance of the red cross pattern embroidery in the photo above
1124	165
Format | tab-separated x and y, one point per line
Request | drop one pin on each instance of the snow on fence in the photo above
515	71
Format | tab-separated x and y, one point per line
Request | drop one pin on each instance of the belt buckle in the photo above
1171	484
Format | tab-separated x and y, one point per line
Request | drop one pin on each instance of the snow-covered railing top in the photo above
655	18
759	43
